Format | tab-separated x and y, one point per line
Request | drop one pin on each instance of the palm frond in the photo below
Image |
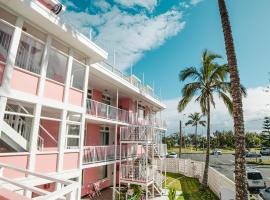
184	102
190	72
191	89
227	101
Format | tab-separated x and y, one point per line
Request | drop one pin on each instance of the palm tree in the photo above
195	120
210	78
239	129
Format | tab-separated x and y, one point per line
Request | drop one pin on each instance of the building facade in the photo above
70	123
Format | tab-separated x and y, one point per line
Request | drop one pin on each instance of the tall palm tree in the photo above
239	129
195	119
210	78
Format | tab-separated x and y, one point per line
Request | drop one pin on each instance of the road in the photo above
225	164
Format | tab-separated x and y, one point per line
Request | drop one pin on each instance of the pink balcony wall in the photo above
75	97
54	90
71	161
90	175
97	95
53	128
2	69
125	104
93	135
19	161
46	163
24	81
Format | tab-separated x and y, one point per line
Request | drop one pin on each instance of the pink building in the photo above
70	124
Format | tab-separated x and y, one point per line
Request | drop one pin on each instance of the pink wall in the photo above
6	194
2	68
53	128
93	135
71	161
75	97
96	95
48	187
54	90
14	160
46	163
125	104
90	175
24	81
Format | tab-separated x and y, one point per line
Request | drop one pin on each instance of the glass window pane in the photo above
29	54
73	130
57	66
77	75
5	38
72	142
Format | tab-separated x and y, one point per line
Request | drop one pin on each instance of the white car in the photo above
265	194
254	179
172	155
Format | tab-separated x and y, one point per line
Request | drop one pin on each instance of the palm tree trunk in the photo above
240	169
196	145
207	157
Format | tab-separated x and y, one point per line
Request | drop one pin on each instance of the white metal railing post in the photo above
96	106
107	111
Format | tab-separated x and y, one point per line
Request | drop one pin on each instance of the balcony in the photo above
161	150
140	174
137	134
98	154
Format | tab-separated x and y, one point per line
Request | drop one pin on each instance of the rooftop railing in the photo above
134	81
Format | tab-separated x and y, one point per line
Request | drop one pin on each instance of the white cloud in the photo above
148	4
255	109
195	2
102	4
129	35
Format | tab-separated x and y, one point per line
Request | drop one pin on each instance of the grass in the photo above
189	187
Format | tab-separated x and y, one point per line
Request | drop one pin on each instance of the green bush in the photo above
172	194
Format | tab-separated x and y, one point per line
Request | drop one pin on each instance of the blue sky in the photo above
161	37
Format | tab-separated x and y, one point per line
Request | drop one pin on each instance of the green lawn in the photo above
189	187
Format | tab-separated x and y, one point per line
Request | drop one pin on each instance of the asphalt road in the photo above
225	164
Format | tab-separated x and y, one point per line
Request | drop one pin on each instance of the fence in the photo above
223	187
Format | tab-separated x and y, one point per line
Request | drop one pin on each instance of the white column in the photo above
14	44
44	65
115	148
3	102
82	129
63	127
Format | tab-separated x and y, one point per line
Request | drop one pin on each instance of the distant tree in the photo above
195	120
266	131
252	140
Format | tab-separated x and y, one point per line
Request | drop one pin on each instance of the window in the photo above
73	136
29	54
5	38
254	176
104	135
57	66
89	94
106	99
141	111
103	172
77	75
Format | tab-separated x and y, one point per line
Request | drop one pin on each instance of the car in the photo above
253	155
216	152
265	193
255	179
265	151
172	155
246	152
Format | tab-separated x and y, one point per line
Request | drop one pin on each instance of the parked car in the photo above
265	151
255	179
265	193
253	155
216	152
246	152
172	155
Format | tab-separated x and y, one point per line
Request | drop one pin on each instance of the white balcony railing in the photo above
137	133
138	173
95	154
67	191
161	149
